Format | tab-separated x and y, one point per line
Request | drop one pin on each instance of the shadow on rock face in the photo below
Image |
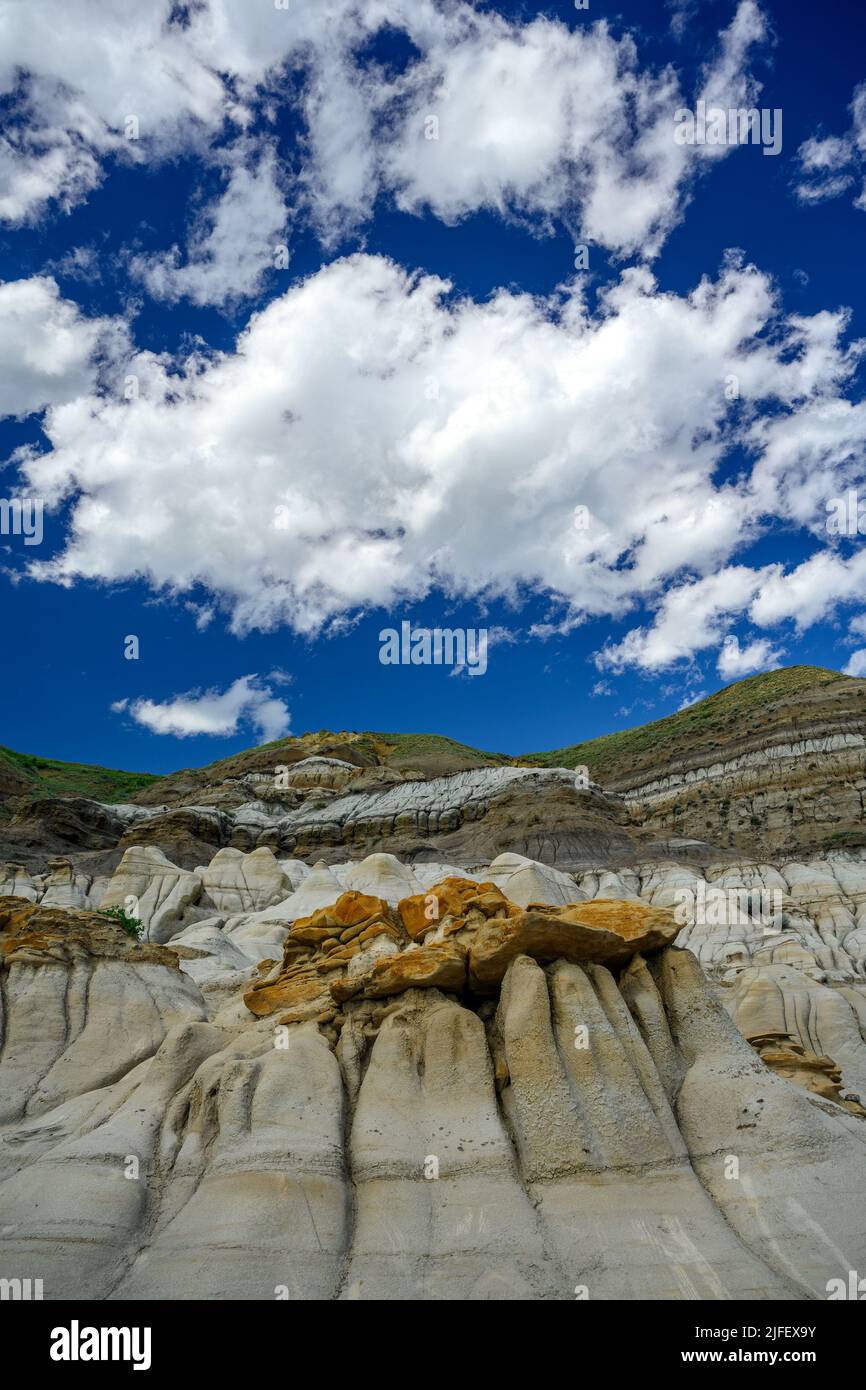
586	1130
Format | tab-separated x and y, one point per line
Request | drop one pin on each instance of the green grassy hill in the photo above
754	705
368	748
432	754
429	750
25	774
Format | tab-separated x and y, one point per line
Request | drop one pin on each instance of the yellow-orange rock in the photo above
608	930
442	966
301	995
453	897
344	987
30	932
473	918
312	933
318	949
821	1075
491	901
351	908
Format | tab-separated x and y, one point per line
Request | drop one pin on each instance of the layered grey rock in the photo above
154	890
683	1128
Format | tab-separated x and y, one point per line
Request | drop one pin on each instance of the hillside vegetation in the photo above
26	774
753	707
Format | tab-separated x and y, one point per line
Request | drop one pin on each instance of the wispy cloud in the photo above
246	703
735	661
831	164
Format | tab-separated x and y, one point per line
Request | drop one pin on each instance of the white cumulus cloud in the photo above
246	703
233	242
690	618
544	119
811	591
735	661
425	441
830	164
49	351
537	118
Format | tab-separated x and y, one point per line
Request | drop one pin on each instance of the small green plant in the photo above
131	925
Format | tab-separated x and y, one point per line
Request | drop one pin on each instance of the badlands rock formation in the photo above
411	1022
396	1082
772	766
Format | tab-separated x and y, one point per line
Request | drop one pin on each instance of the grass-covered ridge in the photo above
26	774
404	750
755	706
431	754
728	714
720	718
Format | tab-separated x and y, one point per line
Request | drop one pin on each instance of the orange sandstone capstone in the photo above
605	930
450	898
442	966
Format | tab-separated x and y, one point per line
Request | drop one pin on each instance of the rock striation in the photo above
408	1021
773	766
432	1094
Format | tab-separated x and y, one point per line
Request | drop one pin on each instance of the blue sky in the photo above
424	445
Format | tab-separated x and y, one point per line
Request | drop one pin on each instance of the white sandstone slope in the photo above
160	890
679	1126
